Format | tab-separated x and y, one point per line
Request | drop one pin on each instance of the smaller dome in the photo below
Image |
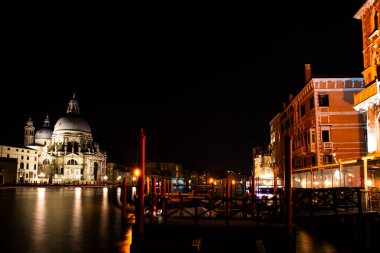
43	133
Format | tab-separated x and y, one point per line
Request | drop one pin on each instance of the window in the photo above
325	135
302	110
46	161
21	165
323	100
311	103
72	162
375	21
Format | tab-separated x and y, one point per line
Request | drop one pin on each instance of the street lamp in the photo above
212	186
21	174
137	172
234	187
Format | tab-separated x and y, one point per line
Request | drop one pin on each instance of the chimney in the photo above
307	72
283	106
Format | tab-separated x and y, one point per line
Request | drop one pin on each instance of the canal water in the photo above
89	220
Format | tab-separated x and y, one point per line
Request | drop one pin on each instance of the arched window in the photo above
72	162
21	165
46	161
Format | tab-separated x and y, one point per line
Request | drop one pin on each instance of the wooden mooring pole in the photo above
288	190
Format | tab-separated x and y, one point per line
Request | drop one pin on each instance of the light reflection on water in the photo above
62	220
90	220
326	235
308	244
39	222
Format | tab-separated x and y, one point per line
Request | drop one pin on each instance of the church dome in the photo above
45	132
72	122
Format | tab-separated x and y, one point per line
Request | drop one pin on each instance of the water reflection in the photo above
104	209
126	244
62	220
306	243
76	223
39	221
65	220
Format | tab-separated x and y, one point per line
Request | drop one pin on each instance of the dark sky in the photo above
203	81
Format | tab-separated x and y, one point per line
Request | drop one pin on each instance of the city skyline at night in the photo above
203	83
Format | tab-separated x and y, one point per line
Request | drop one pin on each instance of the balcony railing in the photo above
368	92
327	145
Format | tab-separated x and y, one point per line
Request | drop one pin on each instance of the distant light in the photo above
369	182
137	172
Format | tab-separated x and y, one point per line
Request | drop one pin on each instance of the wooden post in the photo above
275	190
140	188
124	203
288	185
228	196
163	194
154	195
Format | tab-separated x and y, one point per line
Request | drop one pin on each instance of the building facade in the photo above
321	122
8	170
368	100
63	154
27	163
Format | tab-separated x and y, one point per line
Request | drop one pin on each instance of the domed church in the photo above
68	152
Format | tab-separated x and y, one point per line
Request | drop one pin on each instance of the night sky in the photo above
203	81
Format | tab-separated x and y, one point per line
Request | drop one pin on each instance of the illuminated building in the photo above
67	153
321	121
368	100
26	160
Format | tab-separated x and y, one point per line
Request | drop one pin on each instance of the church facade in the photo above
66	153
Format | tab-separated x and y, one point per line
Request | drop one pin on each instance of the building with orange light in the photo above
368	100
321	122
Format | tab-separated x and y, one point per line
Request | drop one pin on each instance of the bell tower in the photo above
29	132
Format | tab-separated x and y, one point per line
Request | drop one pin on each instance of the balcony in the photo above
327	145
367	97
